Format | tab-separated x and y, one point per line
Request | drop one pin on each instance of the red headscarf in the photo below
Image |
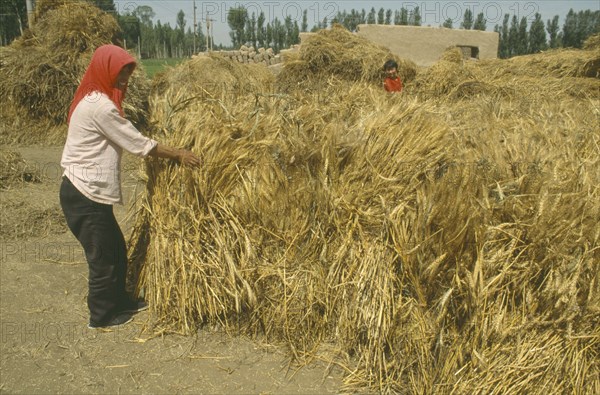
101	75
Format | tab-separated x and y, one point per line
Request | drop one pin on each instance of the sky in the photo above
433	13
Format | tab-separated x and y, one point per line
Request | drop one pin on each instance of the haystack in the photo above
571	71
40	71
425	245
592	42
444	76
340	54
14	170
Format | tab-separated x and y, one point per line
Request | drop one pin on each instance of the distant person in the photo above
97	135
391	82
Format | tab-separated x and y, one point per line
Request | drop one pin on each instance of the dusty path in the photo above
45	346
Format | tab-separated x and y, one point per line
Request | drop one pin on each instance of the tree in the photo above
165	34
278	35
304	21
498	30
250	30
352	21
537	35
569	32
480	22
147	40
181	22
503	47
261	35
586	24
288	27
269	35
146	14
295	36
131	26
371	17
513	38
381	16
388	17
401	17
521	48
447	23
467	22
552	29
200	39
236	19
396	17
159	41
105	5
13	19
415	17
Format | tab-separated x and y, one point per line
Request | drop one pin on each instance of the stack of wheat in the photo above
40	71
445	240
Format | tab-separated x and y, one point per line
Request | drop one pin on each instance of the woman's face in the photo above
123	77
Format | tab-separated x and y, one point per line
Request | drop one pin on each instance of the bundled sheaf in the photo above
570	71
40	71
444	240
342	55
14	170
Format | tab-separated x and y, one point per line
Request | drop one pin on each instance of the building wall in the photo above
424	45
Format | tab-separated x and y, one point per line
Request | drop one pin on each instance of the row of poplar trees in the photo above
518	36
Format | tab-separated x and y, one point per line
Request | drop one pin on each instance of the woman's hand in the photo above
183	156
188	158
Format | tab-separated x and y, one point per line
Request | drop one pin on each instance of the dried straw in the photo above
14	170
438	242
40	72
346	56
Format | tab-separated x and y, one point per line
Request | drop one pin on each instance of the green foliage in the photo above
517	40
236	19
155	66
371	17
480	22
415	17
537	35
13	20
155	40
381	16
552	28
105	5
467	19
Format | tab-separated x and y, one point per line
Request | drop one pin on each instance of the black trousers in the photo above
96	228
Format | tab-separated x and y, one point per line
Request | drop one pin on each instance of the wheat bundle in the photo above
340	53
441	79
538	75
43	6
214	76
40	71
15	170
557	63
433	245
592	42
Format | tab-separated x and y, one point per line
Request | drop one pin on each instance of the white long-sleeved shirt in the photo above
96	138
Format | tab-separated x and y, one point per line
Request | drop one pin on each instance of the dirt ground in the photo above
46	347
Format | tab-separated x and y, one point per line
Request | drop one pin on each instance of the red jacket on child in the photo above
392	84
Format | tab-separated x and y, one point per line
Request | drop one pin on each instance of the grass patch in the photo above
153	66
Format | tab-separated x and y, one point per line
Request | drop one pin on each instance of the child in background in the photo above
392	82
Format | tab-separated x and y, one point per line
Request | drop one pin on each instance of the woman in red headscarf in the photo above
97	135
